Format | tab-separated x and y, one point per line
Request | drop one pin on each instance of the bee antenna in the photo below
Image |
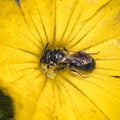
46	46
45	49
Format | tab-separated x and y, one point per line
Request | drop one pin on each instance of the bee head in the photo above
46	56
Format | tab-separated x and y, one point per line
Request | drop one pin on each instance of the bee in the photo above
62	58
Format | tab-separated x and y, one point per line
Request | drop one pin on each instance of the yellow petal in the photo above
106	26
40	16
98	95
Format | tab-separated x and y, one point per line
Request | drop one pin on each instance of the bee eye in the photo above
46	57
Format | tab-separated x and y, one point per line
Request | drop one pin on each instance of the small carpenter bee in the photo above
63	58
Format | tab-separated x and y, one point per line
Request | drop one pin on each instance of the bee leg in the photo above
49	65
65	49
94	53
63	66
77	72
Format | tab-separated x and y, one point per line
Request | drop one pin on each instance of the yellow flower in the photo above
89	25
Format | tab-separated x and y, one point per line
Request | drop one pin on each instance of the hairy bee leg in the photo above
94	53
60	68
49	65
77	72
65	49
